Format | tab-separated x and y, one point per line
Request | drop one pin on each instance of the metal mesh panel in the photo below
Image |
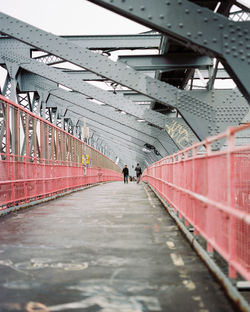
211	190
39	159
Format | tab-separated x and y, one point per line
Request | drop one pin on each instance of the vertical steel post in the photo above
231	202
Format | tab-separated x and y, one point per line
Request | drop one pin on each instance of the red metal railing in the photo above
211	191
38	159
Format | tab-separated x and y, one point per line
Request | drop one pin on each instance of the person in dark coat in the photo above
125	173
138	173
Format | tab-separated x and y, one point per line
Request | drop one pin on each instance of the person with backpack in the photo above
138	173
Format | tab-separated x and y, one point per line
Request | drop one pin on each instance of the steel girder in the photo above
165	63
134	96
155	89
131	134
120	140
108	43
197	27
228	111
57	76
122	132
43	85
115	100
105	114
107	139
117	42
176	130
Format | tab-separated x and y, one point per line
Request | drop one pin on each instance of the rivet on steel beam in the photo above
130	9
199	11
142	8
161	16
214	40
199	33
169	25
168	3
205	19
180	25
187	11
150	17
221	26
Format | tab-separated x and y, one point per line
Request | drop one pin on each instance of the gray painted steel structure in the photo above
114	125
196	27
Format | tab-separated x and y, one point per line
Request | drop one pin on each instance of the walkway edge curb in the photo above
231	291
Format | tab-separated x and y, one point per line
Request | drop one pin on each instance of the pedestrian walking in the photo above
125	173
138	173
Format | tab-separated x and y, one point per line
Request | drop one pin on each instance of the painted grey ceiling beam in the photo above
117	140
137	150
59	77
211	34
120	42
155	89
166	62
134	96
83	75
29	82
115	100
118	130
120	140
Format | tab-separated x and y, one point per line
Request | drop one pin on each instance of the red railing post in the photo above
231	202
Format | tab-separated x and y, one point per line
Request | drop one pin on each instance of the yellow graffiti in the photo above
85	159
178	133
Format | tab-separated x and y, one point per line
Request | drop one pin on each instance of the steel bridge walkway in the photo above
110	248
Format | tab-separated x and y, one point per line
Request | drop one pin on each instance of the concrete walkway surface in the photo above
109	248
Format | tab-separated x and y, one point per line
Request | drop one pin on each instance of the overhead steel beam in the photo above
29	82
83	75
166	62
115	100
117	42
128	150
196	27
120	140
134	96
155	89
110	139
225	101
108	43
117	129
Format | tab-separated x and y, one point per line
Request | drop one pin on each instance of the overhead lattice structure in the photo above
138	107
